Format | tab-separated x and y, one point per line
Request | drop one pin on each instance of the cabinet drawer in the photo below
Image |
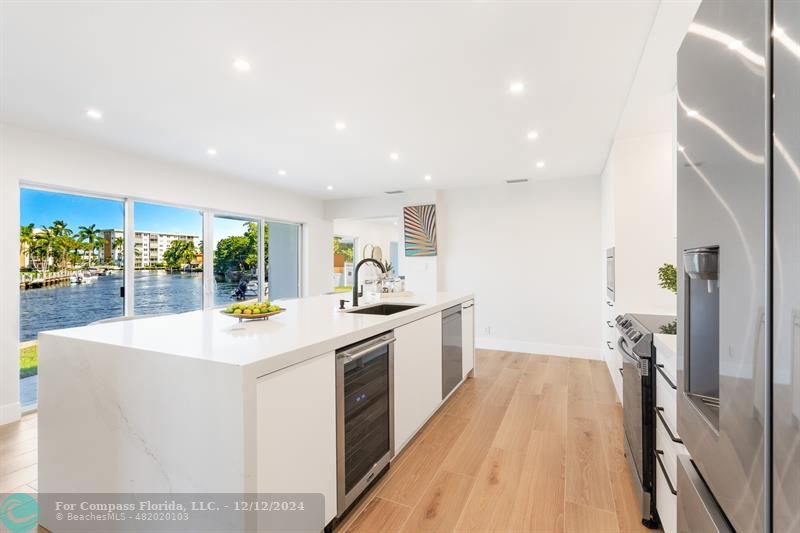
666	501
667	402
666	444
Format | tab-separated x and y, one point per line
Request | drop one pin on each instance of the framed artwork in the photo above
419	223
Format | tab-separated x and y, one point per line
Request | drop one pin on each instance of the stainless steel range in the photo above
635	343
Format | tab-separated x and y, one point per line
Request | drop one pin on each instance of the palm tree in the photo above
26	240
42	247
61	235
91	236
117	243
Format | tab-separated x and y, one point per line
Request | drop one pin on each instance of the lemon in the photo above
237	312
229	310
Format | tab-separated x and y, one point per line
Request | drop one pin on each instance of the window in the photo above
71	269
235	259
168	258
343	250
282	260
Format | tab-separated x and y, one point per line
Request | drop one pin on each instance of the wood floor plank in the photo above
489	490
557	372
580	380
470	450
580	519
602	386
587	477
15	462
551	411
442	504
533	376
23	476
539	498
412	473
380	515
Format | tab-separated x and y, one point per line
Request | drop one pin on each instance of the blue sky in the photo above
43	207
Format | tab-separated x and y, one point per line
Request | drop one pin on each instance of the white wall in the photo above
528	252
420	272
46	159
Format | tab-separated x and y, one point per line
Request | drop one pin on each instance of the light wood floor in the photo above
532	443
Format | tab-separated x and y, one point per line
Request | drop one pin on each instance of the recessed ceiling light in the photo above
532	135
540	164
340	125
735	44
212	151
394	156
428	177
94	114
281	172
242	65
516	87
692	113
330	187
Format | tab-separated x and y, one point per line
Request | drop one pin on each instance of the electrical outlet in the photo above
487	330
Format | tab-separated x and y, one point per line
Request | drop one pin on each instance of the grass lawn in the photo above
343	288
28	361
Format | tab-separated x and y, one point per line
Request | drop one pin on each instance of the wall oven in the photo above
365	415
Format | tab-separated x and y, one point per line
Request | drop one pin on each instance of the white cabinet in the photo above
467	337
417	375
296	430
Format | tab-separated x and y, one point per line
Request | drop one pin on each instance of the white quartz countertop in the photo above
309	327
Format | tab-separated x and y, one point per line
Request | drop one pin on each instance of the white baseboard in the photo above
11	412
560	350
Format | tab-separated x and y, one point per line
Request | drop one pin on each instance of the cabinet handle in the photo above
470	306
672	435
610	346
609	303
609	324
664	375
659	453
620	372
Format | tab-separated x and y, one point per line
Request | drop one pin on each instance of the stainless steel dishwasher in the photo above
451	349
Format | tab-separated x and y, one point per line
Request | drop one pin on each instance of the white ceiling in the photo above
428	80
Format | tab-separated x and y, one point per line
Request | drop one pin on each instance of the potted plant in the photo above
668	279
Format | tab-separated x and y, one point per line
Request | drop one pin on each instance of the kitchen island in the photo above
199	403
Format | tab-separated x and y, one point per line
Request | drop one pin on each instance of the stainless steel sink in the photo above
382	309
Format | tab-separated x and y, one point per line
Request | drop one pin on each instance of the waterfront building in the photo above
149	246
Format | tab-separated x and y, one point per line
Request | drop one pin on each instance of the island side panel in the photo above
115	419
296	428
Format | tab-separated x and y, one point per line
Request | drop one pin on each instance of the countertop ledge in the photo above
310	327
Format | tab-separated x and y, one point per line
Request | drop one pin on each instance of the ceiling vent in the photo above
522	180
395	192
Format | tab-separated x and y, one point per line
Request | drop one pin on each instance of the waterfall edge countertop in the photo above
310	326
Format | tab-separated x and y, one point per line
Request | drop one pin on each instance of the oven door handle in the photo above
638	363
348	357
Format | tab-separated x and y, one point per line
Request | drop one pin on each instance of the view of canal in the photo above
66	306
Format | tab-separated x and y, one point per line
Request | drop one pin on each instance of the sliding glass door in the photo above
70	269
236	259
168	259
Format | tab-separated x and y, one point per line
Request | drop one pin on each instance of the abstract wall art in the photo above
419	222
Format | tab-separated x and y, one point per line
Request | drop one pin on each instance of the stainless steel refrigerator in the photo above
738	190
